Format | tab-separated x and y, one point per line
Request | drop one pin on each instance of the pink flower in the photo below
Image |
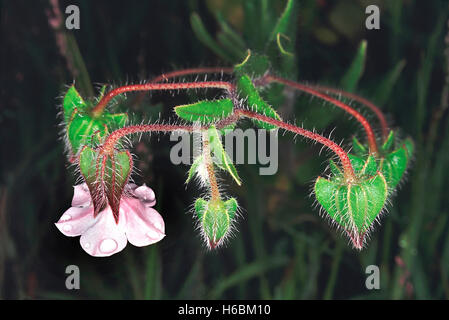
102	236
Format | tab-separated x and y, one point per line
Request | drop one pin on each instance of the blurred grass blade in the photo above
355	71
81	74
203	35
247	272
233	36
385	88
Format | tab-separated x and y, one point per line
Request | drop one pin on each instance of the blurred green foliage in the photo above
283	250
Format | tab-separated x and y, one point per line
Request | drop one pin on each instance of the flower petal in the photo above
144	225
75	221
81	196
105	237
146	195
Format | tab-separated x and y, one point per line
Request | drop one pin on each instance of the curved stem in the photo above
185	72
98	109
214	190
115	136
345	161
382	120
369	131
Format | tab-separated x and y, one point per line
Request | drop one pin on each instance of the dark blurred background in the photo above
283	249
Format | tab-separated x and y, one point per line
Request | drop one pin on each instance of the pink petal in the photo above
75	221
81	196
105	237
146	195
144	225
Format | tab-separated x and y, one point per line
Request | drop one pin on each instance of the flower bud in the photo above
215	217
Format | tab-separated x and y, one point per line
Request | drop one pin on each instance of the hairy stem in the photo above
380	116
214	190
115	136
363	121
186	72
346	163
98	109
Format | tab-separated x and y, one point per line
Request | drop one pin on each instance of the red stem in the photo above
185	72
369	104
346	163
115	136
369	131
158	86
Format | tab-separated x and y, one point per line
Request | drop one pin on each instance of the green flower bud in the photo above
215	217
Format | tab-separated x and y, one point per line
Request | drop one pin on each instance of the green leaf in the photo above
370	167
221	158
115	121
117	172
335	169
254	65
389	142
358	163
81	131
393	166
231	206
355	71
358	148
194	168
90	168
200	207
409	145
205	112
106	177
255	101
72	100
353	206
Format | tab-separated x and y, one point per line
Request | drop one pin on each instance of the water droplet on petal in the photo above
67	227
108	245
86	245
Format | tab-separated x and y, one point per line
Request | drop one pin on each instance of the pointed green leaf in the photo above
370	167
357	162
393	166
389	142
81	130
117	171
353	206
358	148
194	168
116	121
205	112
200	207
72	100
91	168
231	207
335	169
256	102
409	146
221	158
